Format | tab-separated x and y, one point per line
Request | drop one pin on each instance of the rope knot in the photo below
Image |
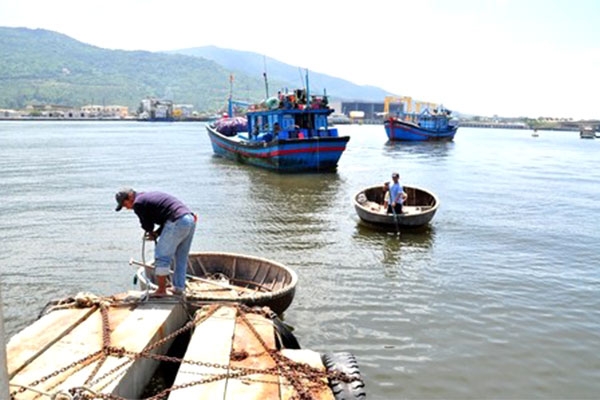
61	396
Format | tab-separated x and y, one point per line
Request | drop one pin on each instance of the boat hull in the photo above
587	133
418	209
315	154
406	131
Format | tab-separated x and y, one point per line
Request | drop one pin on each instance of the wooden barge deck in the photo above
110	348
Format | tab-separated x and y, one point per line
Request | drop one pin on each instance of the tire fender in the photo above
346	363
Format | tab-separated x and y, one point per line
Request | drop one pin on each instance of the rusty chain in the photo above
62	370
283	366
105	342
108	350
301	376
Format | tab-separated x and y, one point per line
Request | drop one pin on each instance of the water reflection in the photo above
428	149
272	187
271	206
394	250
297	194
366	228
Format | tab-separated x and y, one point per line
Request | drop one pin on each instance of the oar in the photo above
195	278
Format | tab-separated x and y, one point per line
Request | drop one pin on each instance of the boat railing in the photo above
305	133
293	134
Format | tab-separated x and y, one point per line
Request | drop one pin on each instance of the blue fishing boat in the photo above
286	133
429	125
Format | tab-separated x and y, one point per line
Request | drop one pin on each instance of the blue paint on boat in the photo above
286	133
427	126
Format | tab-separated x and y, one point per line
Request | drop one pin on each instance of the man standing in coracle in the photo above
397	195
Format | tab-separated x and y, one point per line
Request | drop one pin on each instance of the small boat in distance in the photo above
418	209
339	119
587	132
286	133
434	123
429	125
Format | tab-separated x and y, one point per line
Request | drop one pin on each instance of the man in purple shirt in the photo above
176	226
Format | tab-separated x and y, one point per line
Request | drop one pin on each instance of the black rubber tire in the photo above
344	362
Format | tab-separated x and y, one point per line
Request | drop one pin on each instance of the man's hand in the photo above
150	236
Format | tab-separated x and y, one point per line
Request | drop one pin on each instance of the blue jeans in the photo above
174	246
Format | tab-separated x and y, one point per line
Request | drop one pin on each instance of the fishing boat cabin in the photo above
290	116
435	120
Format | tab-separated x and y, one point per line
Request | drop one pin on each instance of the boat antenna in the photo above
230	101
301	78
307	90
265	76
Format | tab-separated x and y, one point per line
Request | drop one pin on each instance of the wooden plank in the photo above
253	386
84	339
32	341
210	343
313	359
80	375
132	330
201	289
147	324
41	334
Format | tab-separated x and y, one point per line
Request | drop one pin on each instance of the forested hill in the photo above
253	64
44	67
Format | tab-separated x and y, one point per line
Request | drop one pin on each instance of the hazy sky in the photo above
506	57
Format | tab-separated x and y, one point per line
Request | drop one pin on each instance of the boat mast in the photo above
265	76
307	90
4	392
230	101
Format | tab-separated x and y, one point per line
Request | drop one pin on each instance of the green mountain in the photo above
253	64
44	67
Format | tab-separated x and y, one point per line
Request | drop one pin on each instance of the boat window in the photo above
287	122
320	121
303	121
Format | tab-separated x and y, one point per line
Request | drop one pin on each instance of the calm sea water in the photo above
499	298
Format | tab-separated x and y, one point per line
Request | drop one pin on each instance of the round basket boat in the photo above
418	209
229	277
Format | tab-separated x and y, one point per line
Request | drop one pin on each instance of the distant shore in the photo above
102	119
558	126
